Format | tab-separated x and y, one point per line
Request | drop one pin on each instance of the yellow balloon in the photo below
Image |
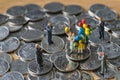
87	29
66	29
84	26
87	33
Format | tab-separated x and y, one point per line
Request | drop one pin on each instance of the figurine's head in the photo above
49	23
100	19
37	45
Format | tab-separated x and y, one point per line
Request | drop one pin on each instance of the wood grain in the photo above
113	4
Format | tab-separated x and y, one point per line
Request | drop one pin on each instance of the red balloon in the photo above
80	24
83	21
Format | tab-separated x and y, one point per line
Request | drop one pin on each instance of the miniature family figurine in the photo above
80	40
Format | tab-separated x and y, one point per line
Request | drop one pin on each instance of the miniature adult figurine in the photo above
102	57
101	25
39	58
49	33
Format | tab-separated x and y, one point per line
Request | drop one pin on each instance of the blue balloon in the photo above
77	38
81	31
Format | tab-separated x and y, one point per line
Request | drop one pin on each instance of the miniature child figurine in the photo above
39	58
49	33
102	57
101	28
81	46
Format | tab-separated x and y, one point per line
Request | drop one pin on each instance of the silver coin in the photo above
17	21
107	14
13	76
27	51
116	33
95	7
114	25
47	76
4	32
83	15
31	7
92	63
75	75
59	22
35	15
9	45
3	19
55	55
32	35
94	37
86	76
4	66
13	28
75	56
38	25
58	45
73	20
112	50
34	70
115	62
107	75
64	65
54	7
53	14
6	57
115	40
72	10
16	11
19	66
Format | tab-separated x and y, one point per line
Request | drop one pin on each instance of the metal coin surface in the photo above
19	66
27	51
47	76
86	76
64	65
55	55
35	15
9	45
32	35
4	66
75	75
83	15
58	45
115	40
112	50
115	62
31	7
16	11
4	32
13	76
72	10
6	57
107	14
34	70
94	37
73	20
3	19
17	21
54	7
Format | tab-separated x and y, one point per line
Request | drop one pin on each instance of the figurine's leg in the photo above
103	34
100	35
51	42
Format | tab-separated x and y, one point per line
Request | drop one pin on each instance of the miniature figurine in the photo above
49	33
39	58
102	57
101	25
81	46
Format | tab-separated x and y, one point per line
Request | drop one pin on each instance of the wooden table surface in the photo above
113	4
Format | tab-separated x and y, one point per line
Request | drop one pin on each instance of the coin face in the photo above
19	66
107	14
73	20
4	66
35	15
13	76
33	67
112	50
94	37
32	35
16	11
86	76
17	21
64	65
27	51
31	7
115	62
72	10
58	44
3	19
9	45
6	57
4	32
47	76
115	40
54	7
